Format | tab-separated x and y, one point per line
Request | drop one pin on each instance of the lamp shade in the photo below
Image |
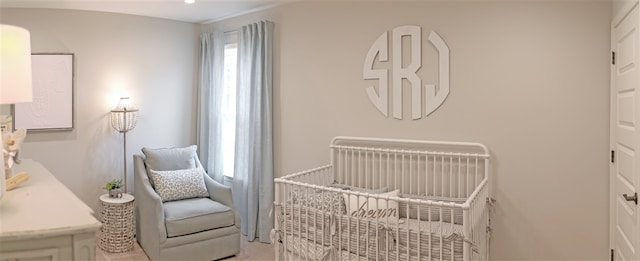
124	116
15	65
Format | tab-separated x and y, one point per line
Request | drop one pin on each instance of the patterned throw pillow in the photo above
169	159
179	184
327	201
383	210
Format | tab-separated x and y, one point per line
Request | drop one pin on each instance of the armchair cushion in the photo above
179	184
170	158
194	215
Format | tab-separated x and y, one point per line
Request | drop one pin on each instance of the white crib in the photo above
387	199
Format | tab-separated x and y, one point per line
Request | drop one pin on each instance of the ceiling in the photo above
202	11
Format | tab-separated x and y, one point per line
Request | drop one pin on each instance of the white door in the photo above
625	136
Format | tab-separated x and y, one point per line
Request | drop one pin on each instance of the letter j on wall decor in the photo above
402	70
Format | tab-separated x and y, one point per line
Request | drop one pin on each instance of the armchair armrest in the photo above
149	207
222	194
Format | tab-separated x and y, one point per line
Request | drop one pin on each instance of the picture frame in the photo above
52	106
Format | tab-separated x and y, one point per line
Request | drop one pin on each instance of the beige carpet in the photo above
248	251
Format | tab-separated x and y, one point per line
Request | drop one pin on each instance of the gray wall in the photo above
528	79
153	61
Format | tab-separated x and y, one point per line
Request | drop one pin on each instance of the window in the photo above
229	102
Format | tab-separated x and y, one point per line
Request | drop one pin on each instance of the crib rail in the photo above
428	173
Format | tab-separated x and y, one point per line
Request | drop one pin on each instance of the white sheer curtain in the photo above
253	177
210	98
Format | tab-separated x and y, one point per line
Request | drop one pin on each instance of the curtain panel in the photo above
210	97
253	177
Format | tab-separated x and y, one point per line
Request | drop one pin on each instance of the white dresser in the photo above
43	220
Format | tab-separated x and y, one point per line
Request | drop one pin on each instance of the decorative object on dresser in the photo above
124	118
11	150
6	123
176	220
15	74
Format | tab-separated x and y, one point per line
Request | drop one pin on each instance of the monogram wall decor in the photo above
434	95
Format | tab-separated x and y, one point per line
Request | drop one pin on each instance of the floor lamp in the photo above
123	119
15	75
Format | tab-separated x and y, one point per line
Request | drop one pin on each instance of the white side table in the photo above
118	223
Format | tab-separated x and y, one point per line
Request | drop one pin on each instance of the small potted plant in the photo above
113	187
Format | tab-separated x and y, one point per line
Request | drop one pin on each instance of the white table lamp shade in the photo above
15	65
15	74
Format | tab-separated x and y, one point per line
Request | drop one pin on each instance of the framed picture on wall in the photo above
52	106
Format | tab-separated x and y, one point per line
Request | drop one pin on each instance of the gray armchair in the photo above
201	228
